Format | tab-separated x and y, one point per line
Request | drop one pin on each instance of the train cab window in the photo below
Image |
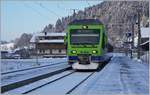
84	36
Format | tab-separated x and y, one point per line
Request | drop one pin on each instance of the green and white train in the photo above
86	42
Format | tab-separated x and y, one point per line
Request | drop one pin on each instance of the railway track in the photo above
48	83
37	87
18	84
51	83
9	72
71	90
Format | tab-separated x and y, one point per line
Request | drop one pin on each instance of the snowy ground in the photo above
18	64
18	76
61	86
120	76
35	84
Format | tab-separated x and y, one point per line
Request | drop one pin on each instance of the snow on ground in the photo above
121	76
35	84
18	64
18	76
7	79
61	86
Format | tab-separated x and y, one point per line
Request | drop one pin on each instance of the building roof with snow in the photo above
145	35
48	34
145	32
7	47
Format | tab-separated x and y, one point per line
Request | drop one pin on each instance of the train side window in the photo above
103	41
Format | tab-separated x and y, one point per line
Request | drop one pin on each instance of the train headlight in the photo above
85	27
74	51
94	51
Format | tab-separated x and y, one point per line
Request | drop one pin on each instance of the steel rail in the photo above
80	83
18	84
48	83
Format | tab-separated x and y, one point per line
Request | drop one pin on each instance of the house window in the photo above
55	51
42	51
39	51
63	51
47	51
59	50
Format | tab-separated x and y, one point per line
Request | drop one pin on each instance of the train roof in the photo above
85	21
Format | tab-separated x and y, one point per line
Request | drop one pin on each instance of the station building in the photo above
144	45
48	44
145	35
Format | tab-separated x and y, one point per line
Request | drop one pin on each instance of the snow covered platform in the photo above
121	76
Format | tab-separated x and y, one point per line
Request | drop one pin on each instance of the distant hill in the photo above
117	17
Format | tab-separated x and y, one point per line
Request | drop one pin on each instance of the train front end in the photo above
84	45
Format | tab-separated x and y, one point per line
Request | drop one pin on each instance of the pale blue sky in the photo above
19	17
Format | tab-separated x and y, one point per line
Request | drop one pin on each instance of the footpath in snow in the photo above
120	76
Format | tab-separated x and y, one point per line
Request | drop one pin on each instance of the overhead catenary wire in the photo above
50	11
73	10
62	8
36	11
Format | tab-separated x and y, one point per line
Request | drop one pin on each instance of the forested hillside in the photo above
117	17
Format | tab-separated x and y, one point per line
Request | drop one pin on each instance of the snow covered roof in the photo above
51	41
7	46
50	35
145	42
145	32
32	39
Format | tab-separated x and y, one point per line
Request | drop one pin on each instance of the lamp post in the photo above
132	49
139	35
132	36
138	9
128	42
